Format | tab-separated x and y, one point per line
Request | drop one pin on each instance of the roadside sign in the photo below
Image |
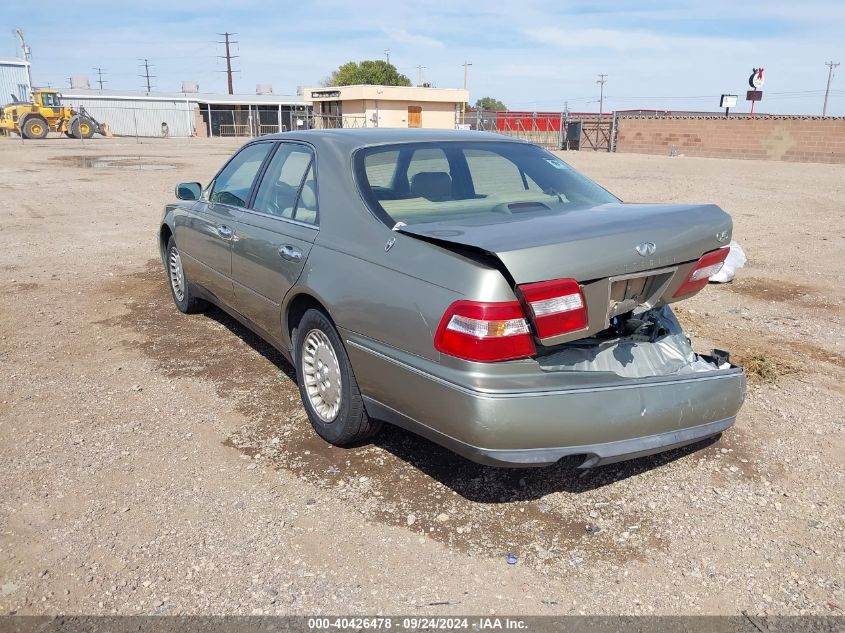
728	101
756	82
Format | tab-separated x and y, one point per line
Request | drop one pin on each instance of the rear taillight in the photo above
484	332
557	307
707	266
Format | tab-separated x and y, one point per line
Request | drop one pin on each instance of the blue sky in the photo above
531	54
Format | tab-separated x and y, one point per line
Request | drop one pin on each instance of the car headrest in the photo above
432	185
307	199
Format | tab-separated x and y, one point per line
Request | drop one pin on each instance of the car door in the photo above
206	233
275	235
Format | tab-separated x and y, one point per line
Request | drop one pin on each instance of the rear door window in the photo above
288	189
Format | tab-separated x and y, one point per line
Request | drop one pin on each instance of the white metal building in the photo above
187	114
14	79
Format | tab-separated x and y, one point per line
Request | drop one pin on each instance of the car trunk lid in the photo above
587	243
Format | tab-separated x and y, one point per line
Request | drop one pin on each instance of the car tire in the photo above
327	383
180	287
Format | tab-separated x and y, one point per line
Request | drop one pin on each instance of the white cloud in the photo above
629	40
403	36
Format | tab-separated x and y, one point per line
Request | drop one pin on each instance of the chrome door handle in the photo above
225	232
290	253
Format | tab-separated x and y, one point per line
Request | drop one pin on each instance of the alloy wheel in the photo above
321	371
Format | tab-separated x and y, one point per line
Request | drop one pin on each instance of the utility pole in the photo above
100	79
387	54
228	57
419	74
147	76
464	105
830	66
601	81
27	53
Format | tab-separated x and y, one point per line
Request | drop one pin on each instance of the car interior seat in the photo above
432	185
306	209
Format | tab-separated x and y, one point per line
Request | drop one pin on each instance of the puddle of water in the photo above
133	163
400	479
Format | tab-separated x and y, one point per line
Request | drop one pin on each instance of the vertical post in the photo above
830	66
611	146
279	118
135	119
229	65
751	114
561	131
210	131
566	122
600	82
464	105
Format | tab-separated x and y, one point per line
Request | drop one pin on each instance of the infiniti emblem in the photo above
646	248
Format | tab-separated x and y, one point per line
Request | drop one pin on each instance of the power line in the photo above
100	79
601	81
466	66
228	57
147	76
27	53
830	66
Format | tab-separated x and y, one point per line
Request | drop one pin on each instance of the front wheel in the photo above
327	384
180	288
81	127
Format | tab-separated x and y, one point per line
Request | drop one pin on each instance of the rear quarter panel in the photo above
398	296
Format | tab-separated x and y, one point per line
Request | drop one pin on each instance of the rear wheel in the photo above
327	384
180	287
35	128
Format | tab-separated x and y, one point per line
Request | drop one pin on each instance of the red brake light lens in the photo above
707	266
484	332
557	306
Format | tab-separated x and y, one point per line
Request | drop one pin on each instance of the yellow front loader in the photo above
45	113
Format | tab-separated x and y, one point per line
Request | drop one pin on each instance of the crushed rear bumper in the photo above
526	420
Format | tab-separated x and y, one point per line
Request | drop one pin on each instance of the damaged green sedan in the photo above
468	287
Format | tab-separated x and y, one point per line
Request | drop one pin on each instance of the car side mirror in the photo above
188	190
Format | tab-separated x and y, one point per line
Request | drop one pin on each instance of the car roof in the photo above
352	139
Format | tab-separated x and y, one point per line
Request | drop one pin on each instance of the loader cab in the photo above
47	99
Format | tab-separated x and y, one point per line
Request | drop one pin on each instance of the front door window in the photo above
233	184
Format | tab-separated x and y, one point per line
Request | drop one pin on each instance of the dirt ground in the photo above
157	463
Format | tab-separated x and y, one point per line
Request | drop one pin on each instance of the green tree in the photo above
372	72
489	103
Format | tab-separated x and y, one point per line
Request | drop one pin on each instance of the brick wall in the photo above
797	139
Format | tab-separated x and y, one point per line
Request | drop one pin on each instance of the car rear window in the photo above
416	183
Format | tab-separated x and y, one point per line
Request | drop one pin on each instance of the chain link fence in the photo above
551	130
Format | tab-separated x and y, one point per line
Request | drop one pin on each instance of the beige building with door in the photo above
385	106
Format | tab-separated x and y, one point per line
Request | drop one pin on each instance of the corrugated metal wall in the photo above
128	117
13	81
